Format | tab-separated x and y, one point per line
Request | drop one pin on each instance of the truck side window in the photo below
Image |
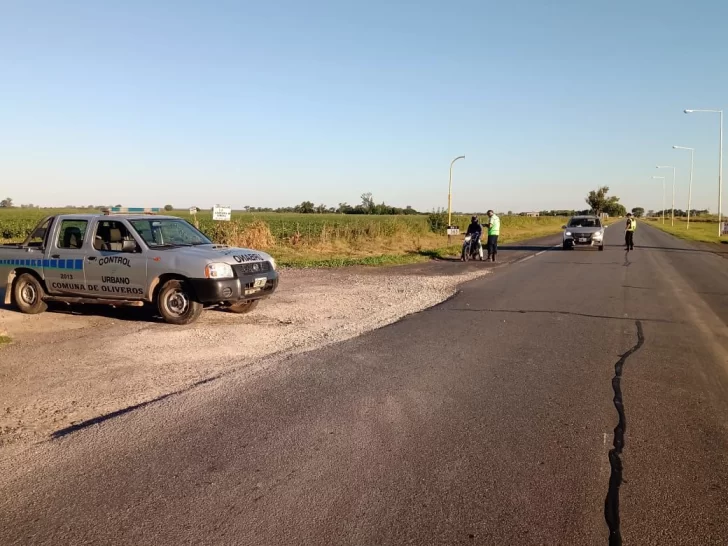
111	235
38	237
72	233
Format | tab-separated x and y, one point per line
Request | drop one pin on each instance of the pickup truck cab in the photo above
133	259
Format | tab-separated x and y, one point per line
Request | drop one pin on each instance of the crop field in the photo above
318	239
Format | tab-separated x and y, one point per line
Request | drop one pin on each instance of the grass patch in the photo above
703	231
4	340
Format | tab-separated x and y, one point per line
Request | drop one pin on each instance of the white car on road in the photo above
584	231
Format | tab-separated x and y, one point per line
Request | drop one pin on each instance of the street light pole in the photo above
449	193
663	197
720	165
673	189
690	188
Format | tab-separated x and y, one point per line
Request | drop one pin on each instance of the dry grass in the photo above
254	235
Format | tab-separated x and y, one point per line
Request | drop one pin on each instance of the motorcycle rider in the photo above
476	231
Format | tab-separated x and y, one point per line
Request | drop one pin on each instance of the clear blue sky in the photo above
271	103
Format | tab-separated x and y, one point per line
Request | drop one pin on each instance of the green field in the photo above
321	239
701	229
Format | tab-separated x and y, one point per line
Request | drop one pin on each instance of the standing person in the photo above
629	232
493	232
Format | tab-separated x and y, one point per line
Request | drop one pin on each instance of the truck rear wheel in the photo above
176	303
28	294
242	307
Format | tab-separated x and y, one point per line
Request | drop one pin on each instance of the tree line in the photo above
367	206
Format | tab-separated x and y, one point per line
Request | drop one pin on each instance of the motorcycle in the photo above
472	249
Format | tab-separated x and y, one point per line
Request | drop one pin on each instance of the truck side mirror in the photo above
128	246
563	227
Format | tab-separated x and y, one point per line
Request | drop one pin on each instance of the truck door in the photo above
116	266
63	264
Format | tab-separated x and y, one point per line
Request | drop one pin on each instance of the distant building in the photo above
533	214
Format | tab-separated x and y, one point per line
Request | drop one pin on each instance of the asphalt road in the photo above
486	420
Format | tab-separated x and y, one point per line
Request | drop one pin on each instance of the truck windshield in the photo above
168	232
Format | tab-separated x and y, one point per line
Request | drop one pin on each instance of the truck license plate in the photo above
582	240
260	282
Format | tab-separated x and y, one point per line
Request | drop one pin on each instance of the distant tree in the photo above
117	206
168	207
367	203
510	213
307	207
616	209
639	212
597	199
600	202
6	203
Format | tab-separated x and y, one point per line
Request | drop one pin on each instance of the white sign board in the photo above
193	210
453	230
724	228
221	213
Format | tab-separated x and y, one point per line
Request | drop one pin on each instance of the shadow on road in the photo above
669	249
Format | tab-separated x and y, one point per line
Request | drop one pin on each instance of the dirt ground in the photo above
70	365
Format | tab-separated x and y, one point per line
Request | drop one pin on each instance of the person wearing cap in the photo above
476	230
493	226
629	232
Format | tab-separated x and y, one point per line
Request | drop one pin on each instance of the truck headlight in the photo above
272	263
218	271
568	234
598	235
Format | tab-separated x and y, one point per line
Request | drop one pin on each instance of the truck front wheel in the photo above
176	303
28	294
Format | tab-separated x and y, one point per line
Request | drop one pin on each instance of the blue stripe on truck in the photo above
67	263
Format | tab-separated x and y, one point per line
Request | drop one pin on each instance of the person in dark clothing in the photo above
476	230
475	227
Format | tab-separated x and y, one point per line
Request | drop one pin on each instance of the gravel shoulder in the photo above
71	365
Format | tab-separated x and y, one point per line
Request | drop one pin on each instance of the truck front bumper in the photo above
249	287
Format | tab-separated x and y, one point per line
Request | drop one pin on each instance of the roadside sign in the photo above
193	210
221	213
724	228
453	230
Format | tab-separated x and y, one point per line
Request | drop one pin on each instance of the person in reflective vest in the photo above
493	226
629	232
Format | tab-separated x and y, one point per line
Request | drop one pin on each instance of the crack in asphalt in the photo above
611	502
550	312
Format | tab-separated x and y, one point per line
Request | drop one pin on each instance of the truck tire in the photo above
28	294
242	307
176	303
601	248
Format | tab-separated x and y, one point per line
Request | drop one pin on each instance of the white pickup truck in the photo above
132	259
